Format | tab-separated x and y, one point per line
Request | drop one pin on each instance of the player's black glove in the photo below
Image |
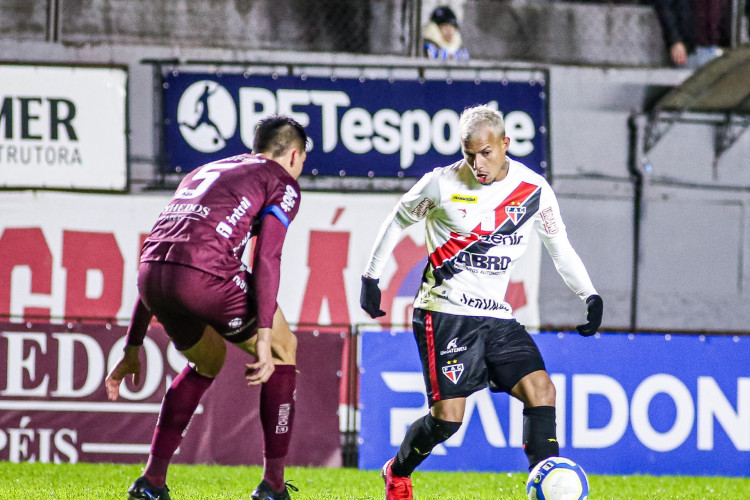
595	307
369	298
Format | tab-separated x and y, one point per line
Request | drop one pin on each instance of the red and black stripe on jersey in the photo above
443	259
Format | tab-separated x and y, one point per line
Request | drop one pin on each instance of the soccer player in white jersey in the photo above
479	213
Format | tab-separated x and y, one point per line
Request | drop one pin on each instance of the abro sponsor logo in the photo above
482	261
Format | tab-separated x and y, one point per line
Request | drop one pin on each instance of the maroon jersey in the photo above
215	211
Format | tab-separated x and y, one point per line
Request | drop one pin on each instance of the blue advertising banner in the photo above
626	404
359	127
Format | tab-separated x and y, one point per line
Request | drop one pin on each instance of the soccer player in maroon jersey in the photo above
191	277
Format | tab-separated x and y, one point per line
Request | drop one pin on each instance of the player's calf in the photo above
539	434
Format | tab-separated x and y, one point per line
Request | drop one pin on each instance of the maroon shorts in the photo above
186	300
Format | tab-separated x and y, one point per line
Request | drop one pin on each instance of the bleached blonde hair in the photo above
477	117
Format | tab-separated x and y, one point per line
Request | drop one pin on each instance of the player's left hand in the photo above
595	307
259	372
128	364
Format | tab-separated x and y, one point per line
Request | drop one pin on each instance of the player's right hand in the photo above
128	364
369	297
259	372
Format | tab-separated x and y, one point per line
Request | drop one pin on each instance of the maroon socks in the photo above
277	416
181	400
177	409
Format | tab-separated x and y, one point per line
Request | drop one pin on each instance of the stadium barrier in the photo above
54	407
628	403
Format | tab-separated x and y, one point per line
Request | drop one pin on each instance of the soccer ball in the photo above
557	478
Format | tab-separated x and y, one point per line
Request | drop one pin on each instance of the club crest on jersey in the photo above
515	212
453	371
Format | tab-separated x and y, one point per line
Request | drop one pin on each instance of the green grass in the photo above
199	482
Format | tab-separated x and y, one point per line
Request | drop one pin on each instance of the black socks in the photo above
423	435
539	434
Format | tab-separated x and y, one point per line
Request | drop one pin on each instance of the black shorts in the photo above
461	353
186	300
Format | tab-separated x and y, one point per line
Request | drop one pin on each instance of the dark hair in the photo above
276	134
444	15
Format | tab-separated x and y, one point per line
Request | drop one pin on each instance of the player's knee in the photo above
545	394
541	392
209	365
286	350
443	429
293	344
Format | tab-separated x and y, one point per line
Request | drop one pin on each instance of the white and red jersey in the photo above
475	233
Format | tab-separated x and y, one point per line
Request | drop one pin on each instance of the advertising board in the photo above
626	404
362	127
63	127
53	407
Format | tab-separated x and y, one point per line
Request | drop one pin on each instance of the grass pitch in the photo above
203	482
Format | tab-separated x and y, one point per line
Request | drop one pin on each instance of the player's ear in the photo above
506	143
296	160
295	157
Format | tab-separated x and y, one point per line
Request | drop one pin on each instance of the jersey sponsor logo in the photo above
289	199
239	211
241	247
482	261
485	304
422	208
453	370
242	284
227	228
450	258
183	209
548	218
207	116
453	348
224	229
462	198
502	239
515	211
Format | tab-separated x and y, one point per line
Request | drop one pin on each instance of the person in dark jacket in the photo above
694	30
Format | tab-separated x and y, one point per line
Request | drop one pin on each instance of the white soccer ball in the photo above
557	478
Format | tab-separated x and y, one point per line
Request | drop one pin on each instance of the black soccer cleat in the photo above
265	492
142	489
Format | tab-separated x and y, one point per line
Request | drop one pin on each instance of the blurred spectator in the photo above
694	30
442	39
